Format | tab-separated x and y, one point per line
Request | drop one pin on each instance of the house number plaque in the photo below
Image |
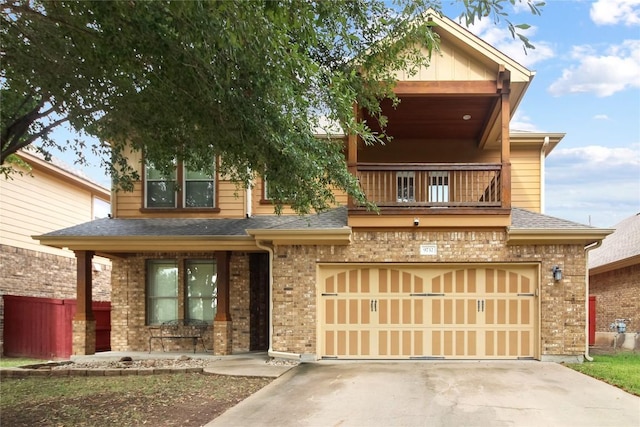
430	249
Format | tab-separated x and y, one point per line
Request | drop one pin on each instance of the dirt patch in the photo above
158	400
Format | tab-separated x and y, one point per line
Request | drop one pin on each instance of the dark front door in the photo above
259	306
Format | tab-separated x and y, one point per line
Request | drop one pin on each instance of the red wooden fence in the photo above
592	319
42	327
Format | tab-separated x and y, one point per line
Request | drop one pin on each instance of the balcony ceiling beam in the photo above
460	88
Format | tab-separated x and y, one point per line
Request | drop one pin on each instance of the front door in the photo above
259	305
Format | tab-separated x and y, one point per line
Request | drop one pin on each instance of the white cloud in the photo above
598	156
601	117
612	12
520	121
604	74
500	38
521	6
593	184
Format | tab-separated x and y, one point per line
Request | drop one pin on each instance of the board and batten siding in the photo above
450	63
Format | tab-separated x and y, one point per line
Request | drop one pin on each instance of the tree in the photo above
251	82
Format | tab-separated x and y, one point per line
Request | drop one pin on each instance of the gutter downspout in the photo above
587	249
268	246
543	155
248	205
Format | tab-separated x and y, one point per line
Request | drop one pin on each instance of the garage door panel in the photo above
422	311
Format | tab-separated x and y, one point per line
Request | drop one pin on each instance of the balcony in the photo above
411	186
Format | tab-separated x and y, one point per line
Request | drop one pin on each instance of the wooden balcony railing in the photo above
467	185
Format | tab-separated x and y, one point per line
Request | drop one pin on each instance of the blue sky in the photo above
587	85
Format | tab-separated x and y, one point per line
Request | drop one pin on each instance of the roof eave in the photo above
581	236
615	265
324	236
131	244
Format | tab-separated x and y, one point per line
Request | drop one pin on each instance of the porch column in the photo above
222	323
504	88
84	322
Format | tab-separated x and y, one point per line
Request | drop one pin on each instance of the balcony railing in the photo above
398	185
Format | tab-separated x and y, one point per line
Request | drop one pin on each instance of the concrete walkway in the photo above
518	393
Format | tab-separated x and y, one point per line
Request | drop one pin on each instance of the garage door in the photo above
410	311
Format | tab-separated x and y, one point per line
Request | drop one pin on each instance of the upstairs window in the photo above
160	189
199	188
181	188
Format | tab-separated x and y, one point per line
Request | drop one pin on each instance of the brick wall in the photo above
562	329
239	301
129	331
562	304
617	295
30	273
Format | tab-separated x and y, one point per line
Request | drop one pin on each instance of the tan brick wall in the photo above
562	323
129	331
29	273
239	301
617	295
562	329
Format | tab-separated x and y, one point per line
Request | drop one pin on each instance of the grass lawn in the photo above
621	370
12	362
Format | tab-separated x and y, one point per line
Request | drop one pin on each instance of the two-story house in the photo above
459	263
38	282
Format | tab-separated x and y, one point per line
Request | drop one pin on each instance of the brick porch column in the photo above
222	323
84	322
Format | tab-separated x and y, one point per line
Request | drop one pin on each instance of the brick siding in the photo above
617	295
563	313
129	331
562	330
37	274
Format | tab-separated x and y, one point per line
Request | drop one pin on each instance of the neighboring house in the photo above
47	197
614	277
459	263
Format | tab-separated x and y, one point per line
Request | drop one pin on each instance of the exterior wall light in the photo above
557	273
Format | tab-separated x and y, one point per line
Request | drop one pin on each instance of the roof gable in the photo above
464	56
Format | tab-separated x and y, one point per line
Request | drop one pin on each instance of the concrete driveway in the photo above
518	393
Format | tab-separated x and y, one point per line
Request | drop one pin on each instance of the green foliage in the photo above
620	369
12	362
252	82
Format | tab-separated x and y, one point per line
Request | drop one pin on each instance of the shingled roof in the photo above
622	244
117	227
332	219
524	219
